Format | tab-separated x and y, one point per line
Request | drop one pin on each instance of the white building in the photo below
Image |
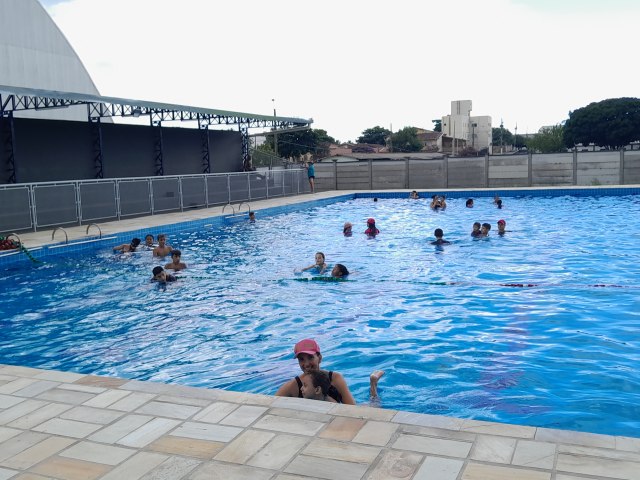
460	125
35	54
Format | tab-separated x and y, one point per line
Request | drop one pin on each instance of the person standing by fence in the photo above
311	173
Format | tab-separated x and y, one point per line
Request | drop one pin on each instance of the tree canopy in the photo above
377	135
548	140
437	125
501	136
294	144
610	123
406	140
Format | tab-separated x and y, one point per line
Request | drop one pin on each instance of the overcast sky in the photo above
351	65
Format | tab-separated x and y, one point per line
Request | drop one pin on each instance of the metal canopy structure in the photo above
16	99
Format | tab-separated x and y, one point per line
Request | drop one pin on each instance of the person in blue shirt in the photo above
311	173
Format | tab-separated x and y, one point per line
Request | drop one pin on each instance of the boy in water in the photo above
439	240
475	233
175	263
159	275
252	217
148	242
469	203
347	229
339	271
315	386
484	231
371	230
501	227
162	249
127	247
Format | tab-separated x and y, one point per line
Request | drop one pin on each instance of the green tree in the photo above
406	140
437	125
376	135
294	144
501	136
610	123
548	140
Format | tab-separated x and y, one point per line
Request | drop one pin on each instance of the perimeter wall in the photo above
503	171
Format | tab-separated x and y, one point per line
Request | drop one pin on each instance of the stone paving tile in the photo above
215	412
244	446
425	420
106	382
362	411
478	471
148	432
196	402
342	428
5	473
207	431
18	409
278	452
31	476
15	385
173	468
603	467
20	371
172	410
76	387
41	415
286	476
628	444
244	416
65	396
288	425
503	429
534	454
289	413
36	388
67	428
394	464
19	443
7	401
599	452
120	429
341	451
326	468
188	447
131	402
136	467
376	433
437	468
493	449
59	376
222	471
93	415
561	476
39	452
302	404
438	432
7	433
70	469
577	438
98	453
106	398
434	446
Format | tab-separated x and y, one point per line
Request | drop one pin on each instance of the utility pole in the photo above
515	138
275	135
391	139
501	136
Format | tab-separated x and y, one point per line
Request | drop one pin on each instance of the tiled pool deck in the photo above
71	426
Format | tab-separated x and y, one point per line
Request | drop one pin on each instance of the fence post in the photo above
76	188
406	174
151	200
622	166
335	173
249	184
34	212
446	171
180	191
486	170
206	190
370	174
530	168
118	207
575	166
228	188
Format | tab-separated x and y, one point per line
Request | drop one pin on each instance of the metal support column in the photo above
9	142
204	146
157	149
96	144
244	131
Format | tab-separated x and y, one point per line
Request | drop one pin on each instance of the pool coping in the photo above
67	425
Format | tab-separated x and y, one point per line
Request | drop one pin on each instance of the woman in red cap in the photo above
307	352
371	230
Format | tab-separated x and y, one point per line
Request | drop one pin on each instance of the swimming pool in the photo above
453	333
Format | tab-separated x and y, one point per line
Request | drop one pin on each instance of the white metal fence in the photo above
32	206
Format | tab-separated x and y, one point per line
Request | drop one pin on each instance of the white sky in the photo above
351	65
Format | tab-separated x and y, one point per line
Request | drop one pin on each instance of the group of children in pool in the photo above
160	250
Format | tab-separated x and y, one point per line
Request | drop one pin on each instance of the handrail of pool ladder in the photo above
14	235
244	203
94	225
229	205
66	237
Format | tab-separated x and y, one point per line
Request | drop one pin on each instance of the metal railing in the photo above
33	206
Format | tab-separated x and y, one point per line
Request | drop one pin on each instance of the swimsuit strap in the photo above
299	382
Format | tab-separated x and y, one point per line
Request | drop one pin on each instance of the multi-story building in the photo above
467	130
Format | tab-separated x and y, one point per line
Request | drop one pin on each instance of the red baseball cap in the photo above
307	345
371	220
501	221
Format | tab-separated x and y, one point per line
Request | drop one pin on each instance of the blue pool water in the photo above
451	333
